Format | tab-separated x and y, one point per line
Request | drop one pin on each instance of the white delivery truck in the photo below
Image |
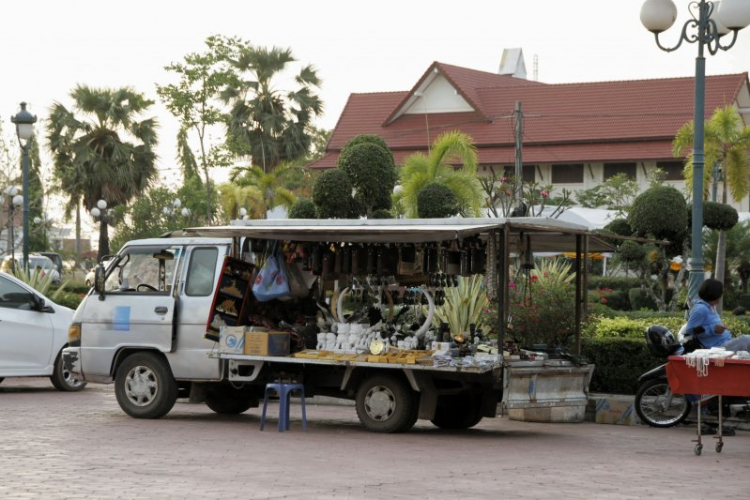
152	323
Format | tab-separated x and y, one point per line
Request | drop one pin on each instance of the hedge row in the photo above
619	362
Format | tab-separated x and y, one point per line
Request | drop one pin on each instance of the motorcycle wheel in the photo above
658	407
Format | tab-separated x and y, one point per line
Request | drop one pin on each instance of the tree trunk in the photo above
721	253
78	234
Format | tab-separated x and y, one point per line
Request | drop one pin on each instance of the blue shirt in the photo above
702	314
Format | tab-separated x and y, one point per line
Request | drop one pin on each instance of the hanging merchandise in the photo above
491	275
406	260
272	281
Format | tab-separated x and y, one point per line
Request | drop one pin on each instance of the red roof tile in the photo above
600	121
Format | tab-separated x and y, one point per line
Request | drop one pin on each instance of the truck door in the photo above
138	304
198	278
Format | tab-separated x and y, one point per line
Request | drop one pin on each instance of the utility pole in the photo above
519	154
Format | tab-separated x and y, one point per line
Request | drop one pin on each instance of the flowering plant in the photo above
542	305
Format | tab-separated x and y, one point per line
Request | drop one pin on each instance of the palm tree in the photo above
726	143
270	184
449	148
101	150
269	123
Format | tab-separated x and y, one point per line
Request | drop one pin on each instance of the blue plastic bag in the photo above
272	281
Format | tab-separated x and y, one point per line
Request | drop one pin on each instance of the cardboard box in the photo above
232	339
267	343
616	411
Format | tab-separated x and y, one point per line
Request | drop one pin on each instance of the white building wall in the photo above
439	97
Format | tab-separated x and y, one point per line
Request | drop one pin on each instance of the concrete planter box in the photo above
546	391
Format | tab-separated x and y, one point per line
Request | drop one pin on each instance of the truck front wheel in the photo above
144	386
458	412
385	404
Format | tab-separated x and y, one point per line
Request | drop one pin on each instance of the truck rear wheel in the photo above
144	386
385	404
458	412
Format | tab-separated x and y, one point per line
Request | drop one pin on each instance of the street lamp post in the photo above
25	129
100	212
709	22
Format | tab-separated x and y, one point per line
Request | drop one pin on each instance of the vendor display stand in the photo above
719	377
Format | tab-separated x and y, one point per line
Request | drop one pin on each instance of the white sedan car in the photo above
33	332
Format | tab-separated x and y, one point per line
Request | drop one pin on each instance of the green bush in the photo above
303	209
719	216
70	299
369	164
614	282
619	362
659	212
382	214
602	327
642	299
744	300
332	194
436	201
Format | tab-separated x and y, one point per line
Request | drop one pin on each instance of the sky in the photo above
48	47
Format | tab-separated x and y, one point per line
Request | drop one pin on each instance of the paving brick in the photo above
81	445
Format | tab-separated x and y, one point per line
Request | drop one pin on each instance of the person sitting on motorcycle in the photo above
713	334
703	314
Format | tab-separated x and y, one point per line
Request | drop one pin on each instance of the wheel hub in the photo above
141	386
380	403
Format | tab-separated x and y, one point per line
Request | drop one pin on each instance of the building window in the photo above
567	173
672	169
529	172
612	169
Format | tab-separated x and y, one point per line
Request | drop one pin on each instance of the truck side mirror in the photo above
99	281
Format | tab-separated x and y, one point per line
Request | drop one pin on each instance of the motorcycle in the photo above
655	404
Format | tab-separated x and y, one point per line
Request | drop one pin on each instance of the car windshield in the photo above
42	262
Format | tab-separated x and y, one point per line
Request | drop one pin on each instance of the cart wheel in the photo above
719	447
698	449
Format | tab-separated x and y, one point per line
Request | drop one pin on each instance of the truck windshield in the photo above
144	269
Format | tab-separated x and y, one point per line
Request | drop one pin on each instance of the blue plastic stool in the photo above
284	390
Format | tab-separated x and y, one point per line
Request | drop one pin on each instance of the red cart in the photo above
720	377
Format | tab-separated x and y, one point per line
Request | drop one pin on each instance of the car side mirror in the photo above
37	303
99	281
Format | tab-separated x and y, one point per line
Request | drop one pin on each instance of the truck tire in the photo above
385	404
144	386
227	401
458	412
62	379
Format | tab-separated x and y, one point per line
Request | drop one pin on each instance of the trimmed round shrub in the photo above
368	139
659	212
631	251
719	216
435	201
372	173
332	194
303	209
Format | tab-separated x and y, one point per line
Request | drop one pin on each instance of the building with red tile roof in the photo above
575	135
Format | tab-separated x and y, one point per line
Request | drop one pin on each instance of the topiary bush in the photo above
382	214
332	194
659	212
435	201
619	362
719	216
371	169
303	209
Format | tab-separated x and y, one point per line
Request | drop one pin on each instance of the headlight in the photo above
74	335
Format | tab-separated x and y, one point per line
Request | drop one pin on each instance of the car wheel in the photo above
385	404
458	412
62	379
144	386
227	401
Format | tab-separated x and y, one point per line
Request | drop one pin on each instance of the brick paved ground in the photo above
57	445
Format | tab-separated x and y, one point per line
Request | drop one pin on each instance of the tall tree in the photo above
271	123
449	149
271	184
102	149
193	100
727	144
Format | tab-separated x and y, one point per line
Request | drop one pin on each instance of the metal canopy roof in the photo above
547	235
